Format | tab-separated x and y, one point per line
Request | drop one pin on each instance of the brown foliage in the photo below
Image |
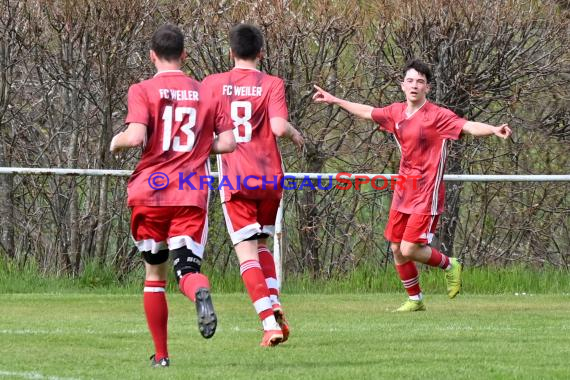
66	67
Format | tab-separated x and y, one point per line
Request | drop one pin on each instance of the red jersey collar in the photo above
406	117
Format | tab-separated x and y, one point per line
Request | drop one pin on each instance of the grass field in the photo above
334	336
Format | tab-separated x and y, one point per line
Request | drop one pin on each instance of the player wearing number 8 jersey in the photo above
170	115
250	99
255	104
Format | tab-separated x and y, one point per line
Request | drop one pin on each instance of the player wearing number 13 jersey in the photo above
179	140
254	103
171	116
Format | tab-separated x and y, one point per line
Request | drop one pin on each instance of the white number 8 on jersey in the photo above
241	120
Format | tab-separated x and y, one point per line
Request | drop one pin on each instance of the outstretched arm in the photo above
134	136
282	128
361	110
481	129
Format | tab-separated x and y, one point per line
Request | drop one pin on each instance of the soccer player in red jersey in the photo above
251	176
421	130
171	117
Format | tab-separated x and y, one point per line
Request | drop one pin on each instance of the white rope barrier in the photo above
277	243
447	177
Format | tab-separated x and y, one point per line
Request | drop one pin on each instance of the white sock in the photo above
417	297
270	323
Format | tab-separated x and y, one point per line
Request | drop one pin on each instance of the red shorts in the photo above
412	228
169	227
247	217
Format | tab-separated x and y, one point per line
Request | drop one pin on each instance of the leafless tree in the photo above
66	67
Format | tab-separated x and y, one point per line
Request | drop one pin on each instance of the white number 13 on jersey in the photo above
179	113
241	120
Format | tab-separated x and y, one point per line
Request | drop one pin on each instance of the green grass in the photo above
365	279
510	323
335	336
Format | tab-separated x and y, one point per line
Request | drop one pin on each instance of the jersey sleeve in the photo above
277	106
137	105
384	118
449	125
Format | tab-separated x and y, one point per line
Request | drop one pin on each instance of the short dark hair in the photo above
168	42
420	67
246	41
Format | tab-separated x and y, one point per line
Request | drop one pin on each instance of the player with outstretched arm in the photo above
421	130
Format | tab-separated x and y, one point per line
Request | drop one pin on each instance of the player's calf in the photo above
155	305
185	262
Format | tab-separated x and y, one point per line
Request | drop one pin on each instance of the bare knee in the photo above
396	251
410	250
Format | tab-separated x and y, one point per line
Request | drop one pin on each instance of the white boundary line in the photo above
32	375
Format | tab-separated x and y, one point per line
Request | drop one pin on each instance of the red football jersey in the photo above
180	129
249	99
422	139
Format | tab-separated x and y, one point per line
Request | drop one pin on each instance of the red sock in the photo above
268	268
254	281
438	259
410	278
156	311
191	282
